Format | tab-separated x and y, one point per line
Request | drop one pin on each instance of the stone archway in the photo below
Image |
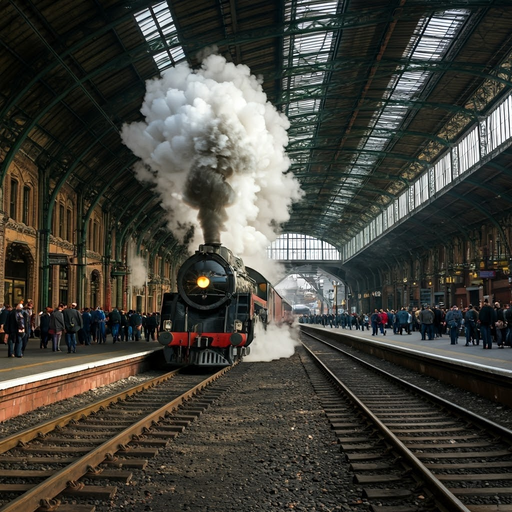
19	273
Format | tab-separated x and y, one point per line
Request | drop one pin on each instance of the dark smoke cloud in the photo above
215	147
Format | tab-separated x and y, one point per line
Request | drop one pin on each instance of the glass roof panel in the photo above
431	40
156	23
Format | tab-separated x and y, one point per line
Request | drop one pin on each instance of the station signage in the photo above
58	259
487	274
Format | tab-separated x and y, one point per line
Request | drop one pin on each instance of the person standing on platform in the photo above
470	320
426	319
383	321
16	328
99	319
486	318
27	314
403	321
44	326
453	323
4	314
500	325
375	319
115	323
57	327
136	323
73	323
507	315
438	321
152	326
87	323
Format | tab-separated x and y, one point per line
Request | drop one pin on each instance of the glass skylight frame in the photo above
157	25
431	41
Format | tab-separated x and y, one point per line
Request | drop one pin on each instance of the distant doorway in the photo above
17	265
95	287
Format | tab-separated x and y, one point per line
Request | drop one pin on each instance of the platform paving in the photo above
499	359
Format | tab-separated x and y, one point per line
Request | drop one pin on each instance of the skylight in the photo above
157	27
430	42
306	50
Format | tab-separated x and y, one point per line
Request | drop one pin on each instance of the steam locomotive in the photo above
210	321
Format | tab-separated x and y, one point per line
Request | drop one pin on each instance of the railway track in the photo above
409	449
81	454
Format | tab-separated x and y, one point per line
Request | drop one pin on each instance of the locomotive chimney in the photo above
213	240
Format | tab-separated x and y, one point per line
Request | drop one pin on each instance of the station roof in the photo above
375	90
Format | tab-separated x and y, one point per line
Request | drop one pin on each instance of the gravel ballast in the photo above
265	444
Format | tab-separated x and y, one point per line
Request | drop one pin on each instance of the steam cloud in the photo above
212	142
138	271
274	343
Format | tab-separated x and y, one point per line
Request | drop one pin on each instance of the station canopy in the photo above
375	90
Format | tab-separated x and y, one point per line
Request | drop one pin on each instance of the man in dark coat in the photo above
114	318
453	323
486	317
44	326
3	323
16	328
136	323
73	322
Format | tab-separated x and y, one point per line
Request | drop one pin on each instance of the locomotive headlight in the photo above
238	325
167	325
203	282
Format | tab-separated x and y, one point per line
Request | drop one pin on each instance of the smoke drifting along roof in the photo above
214	146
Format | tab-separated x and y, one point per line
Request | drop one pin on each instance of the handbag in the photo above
51	331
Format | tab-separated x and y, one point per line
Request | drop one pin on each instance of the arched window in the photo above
95	236
13	206
61	221
69	225
26	216
295	246
89	234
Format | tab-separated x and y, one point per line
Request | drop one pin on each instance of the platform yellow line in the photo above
31	365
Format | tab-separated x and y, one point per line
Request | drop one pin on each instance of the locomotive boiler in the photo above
210	320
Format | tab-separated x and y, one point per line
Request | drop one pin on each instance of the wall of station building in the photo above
465	270
20	252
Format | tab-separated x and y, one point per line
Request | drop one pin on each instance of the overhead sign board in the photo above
58	259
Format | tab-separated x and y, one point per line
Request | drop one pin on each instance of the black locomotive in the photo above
210	321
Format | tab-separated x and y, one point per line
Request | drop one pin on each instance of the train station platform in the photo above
42	376
496	360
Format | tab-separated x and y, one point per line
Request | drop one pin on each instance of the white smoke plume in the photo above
214	146
137	266
276	342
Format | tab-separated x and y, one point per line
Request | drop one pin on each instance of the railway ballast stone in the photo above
265	444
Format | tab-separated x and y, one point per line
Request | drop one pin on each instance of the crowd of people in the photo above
483	322
84	327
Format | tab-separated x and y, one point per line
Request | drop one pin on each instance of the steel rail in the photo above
51	487
31	433
444	497
484	423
